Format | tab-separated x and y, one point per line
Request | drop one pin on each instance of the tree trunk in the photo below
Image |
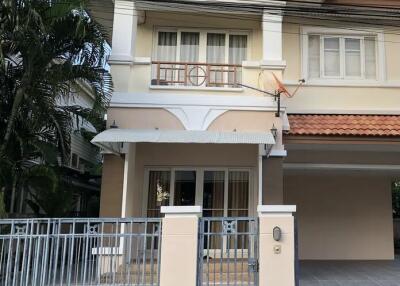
10	124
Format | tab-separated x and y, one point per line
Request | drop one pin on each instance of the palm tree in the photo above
46	48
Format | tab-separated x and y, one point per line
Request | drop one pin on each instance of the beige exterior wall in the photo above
342	216
143	118
111	186
380	97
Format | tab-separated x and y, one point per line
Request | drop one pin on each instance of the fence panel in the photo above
228	251
80	252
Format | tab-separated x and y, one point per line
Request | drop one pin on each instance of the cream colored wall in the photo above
143	118
338	99
111	186
342	216
188	155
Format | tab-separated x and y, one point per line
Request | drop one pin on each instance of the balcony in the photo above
190	74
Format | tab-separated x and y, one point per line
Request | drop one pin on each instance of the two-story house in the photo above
190	123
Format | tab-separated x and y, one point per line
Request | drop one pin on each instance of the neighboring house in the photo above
184	129
83	157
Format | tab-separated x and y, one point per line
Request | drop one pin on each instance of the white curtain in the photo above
189	47
332	56
216	55
314	48
237	49
353	57
370	57
166	50
189	53
215	48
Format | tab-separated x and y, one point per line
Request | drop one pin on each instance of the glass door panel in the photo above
213	193
213	204
238	203
158	192
185	188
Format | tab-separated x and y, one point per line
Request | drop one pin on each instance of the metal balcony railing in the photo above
196	74
80	251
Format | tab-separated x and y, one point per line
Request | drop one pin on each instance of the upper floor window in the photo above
199	58
207	47
342	57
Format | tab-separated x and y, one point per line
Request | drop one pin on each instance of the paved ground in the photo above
354	273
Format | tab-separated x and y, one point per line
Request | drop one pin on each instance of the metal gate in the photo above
228	251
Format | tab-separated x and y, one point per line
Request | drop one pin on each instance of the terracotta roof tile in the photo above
344	125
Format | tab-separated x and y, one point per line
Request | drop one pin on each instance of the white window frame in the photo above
359	33
199	185
202	41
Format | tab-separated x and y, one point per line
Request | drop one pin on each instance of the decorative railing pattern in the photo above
228	251
196	74
80	251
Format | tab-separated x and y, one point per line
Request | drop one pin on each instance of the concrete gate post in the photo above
276	245
179	245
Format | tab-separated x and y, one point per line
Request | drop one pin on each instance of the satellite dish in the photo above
281	89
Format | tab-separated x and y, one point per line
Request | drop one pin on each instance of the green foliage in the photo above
47	47
50	196
396	199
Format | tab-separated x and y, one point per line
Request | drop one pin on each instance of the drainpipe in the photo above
264	150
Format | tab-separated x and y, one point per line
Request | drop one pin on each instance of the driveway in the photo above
350	273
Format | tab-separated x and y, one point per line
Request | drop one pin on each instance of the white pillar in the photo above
180	228
129	178
272	41
277	255
124	32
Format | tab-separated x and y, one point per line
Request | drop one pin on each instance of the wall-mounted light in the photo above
277	233
274	131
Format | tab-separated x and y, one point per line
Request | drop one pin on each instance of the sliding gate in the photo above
228	251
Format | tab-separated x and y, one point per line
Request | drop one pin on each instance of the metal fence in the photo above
228	251
80	251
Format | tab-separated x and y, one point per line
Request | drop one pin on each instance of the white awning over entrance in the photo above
110	138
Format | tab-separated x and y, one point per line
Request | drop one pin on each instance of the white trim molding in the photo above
341	167
276	210
278	153
179	210
273	64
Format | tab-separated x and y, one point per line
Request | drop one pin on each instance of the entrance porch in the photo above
224	179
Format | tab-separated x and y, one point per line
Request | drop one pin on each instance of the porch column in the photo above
124	32
130	207
277	246
179	245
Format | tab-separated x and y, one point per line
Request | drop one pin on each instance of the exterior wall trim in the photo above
125	99
347	83
345	167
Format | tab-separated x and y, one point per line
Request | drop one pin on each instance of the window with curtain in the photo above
342	57
215	48
189	53
166	48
